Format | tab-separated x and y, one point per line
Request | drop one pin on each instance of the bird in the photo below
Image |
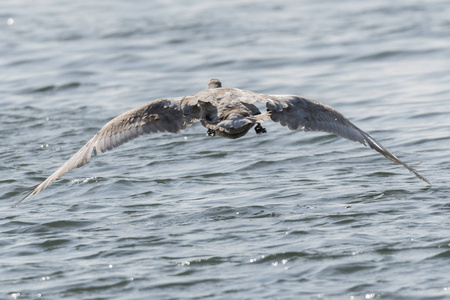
224	111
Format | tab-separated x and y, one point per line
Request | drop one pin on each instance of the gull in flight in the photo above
224	111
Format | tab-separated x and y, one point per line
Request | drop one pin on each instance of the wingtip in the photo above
31	191
18	203
426	180
412	170
423	178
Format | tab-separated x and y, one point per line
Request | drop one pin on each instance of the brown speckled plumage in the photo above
225	111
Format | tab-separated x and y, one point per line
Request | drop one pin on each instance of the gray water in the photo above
286	215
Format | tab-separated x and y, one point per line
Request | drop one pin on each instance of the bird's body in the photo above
224	111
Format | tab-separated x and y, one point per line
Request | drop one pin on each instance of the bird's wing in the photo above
303	114
162	115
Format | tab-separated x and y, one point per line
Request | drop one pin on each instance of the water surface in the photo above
286	215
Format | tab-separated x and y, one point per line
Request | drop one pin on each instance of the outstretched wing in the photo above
303	114
163	115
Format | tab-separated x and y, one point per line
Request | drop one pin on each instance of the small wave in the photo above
53	88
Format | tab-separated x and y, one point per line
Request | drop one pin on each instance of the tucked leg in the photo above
211	132
259	129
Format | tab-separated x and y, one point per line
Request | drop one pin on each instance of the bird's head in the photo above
214	83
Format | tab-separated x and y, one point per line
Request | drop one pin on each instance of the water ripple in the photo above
279	216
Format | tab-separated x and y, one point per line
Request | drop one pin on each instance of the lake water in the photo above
286	215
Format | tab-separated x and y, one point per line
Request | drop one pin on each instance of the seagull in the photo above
224	111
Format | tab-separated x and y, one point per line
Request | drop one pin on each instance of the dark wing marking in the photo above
163	115
299	113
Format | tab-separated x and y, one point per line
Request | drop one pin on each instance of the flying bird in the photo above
224	111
